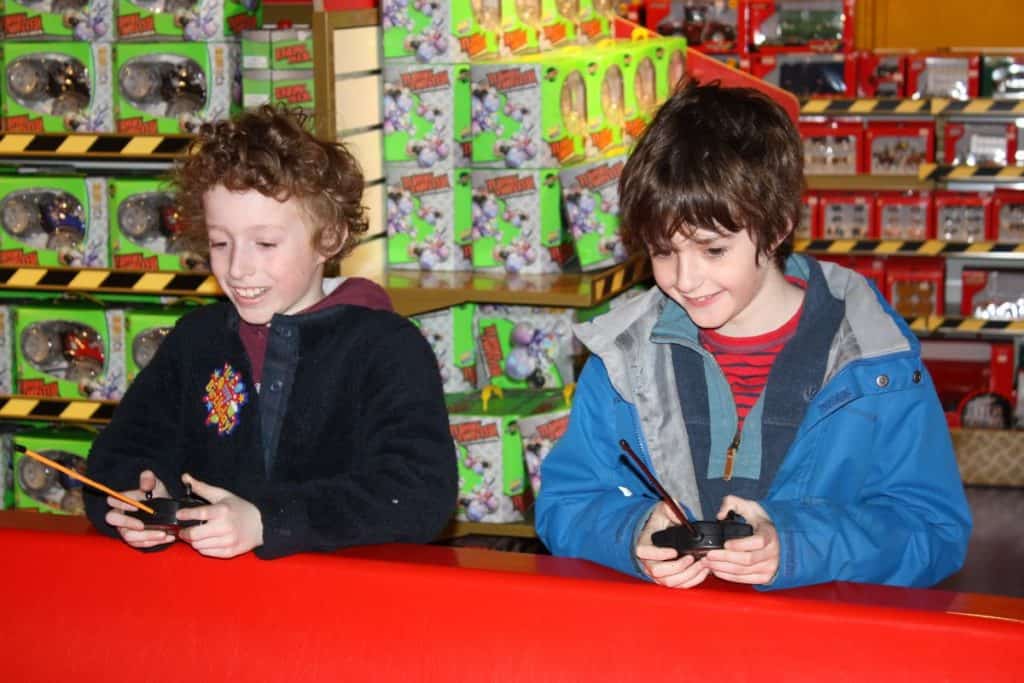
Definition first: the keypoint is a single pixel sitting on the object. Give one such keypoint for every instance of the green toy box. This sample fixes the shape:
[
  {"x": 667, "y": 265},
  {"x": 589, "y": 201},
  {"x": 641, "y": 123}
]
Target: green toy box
[
  {"x": 517, "y": 222},
  {"x": 69, "y": 350},
  {"x": 175, "y": 87},
  {"x": 57, "y": 87},
  {"x": 530, "y": 112},
  {"x": 189, "y": 20},
  {"x": 590, "y": 195},
  {"x": 450, "y": 334},
  {"x": 42, "y": 488},
  {"x": 543, "y": 422},
  {"x": 145, "y": 329},
  {"x": 597, "y": 18},
  {"x": 427, "y": 114},
  {"x": 606, "y": 100},
  {"x": 441, "y": 32},
  {"x": 640, "y": 92},
  {"x": 257, "y": 87},
  {"x": 92, "y": 20},
  {"x": 145, "y": 228},
  {"x": 278, "y": 49},
  {"x": 530, "y": 26},
  {"x": 7, "y": 349},
  {"x": 524, "y": 347},
  {"x": 423, "y": 210},
  {"x": 669, "y": 57},
  {"x": 296, "y": 89},
  {"x": 489, "y": 455},
  {"x": 53, "y": 221}
]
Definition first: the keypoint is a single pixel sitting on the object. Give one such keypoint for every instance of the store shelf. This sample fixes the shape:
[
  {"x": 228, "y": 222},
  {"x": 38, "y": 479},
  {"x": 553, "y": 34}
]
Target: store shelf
[
  {"x": 994, "y": 250},
  {"x": 56, "y": 409},
  {"x": 870, "y": 183},
  {"x": 107, "y": 281},
  {"x": 983, "y": 176},
  {"x": 97, "y": 152},
  {"x": 957, "y": 326},
  {"x": 458, "y": 529},
  {"x": 979, "y": 106},
  {"x": 867, "y": 107}
]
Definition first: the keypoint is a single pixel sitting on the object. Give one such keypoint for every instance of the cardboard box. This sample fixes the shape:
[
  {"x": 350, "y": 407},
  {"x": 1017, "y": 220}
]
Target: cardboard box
[
  {"x": 963, "y": 216},
  {"x": 201, "y": 21},
  {"x": 427, "y": 118},
  {"x": 898, "y": 148},
  {"x": 953, "y": 76},
  {"x": 847, "y": 215},
  {"x": 41, "y": 488},
  {"x": 798, "y": 25},
  {"x": 451, "y": 336},
  {"x": 145, "y": 229},
  {"x": 904, "y": 215},
  {"x": 445, "y": 33},
  {"x": 590, "y": 198},
  {"x": 93, "y": 21},
  {"x": 428, "y": 218},
  {"x": 832, "y": 147}
]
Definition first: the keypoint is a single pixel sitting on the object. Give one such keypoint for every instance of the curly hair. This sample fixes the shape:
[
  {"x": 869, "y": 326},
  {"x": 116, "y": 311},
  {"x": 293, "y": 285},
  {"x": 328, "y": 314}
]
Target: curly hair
[
  {"x": 270, "y": 150},
  {"x": 717, "y": 158}
]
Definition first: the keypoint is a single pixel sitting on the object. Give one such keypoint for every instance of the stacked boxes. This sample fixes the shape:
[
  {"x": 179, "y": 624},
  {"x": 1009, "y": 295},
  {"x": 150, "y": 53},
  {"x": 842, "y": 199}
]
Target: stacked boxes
[{"x": 277, "y": 67}]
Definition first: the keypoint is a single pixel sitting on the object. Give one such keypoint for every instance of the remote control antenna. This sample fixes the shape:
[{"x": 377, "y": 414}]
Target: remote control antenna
[
  {"x": 662, "y": 493},
  {"x": 82, "y": 478}
]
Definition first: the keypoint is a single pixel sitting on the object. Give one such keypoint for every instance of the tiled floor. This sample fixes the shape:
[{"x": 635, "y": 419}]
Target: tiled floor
[{"x": 995, "y": 556}]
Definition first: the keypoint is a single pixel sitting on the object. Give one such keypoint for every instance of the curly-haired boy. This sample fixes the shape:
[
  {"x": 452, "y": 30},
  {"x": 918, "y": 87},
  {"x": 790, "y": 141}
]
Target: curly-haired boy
[{"x": 308, "y": 414}]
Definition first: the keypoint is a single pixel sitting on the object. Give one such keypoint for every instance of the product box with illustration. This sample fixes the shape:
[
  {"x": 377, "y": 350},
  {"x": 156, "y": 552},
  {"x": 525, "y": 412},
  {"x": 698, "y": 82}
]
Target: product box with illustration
[
  {"x": 69, "y": 350},
  {"x": 639, "y": 64},
  {"x": 977, "y": 143},
  {"x": 710, "y": 25},
  {"x": 974, "y": 380},
  {"x": 590, "y": 200},
  {"x": 424, "y": 209},
  {"x": 6, "y": 349},
  {"x": 808, "y": 74},
  {"x": 898, "y": 148},
  {"x": 798, "y": 25},
  {"x": 881, "y": 74},
  {"x": 53, "y": 221},
  {"x": 45, "y": 489},
  {"x": 145, "y": 329},
  {"x": 294, "y": 89},
  {"x": 669, "y": 57},
  {"x": 832, "y": 147},
  {"x": 440, "y": 32},
  {"x": 530, "y": 112},
  {"x": 517, "y": 222},
  {"x": 85, "y": 20},
  {"x": 175, "y": 87},
  {"x": 992, "y": 293},
  {"x": 188, "y": 20},
  {"x": 905, "y": 215},
  {"x": 953, "y": 76},
  {"x": 916, "y": 286},
  {"x": 58, "y": 87},
  {"x": 847, "y": 215},
  {"x": 146, "y": 229},
  {"x": 278, "y": 49},
  {"x": 543, "y": 423},
  {"x": 537, "y": 26},
  {"x": 489, "y": 453},
  {"x": 524, "y": 347},
  {"x": 450, "y": 334},
  {"x": 427, "y": 115},
  {"x": 963, "y": 216}
]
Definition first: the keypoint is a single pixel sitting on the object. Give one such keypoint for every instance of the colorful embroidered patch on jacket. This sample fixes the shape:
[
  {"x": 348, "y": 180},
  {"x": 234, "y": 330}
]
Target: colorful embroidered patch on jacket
[{"x": 225, "y": 396}]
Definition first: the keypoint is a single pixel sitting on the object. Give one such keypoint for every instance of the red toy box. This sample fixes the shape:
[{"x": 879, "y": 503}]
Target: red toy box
[
  {"x": 881, "y": 74},
  {"x": 832, "y": 147},
  {"x": 798, "y": 25},
  {"x": 953, "y": 76},
  {"x": 898, "y": 147},
  {"x": 914, "y": 286},
  {"x": 847, "y": 215},
  {"x": 904, "y": 215},
  {"x": 962, "y": 216},
  {"x": 974, "y": 380},
  {"x": 980, "y": 144}
]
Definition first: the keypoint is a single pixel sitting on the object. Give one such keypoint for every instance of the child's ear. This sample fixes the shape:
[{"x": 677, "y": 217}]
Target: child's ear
[{"x": 332, "y": 239}]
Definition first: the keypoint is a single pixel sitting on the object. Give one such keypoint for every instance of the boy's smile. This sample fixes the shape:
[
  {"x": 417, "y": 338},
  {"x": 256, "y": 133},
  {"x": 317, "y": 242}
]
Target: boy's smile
[
  {"x": 722, "y": 286},
  {"x": 262, "y": 253}
]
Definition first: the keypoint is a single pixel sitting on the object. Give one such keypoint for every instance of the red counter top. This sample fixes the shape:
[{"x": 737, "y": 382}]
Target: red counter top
[{"x": 81, "y": 604}]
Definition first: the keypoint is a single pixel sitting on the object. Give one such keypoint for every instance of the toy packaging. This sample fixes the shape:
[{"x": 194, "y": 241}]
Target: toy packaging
[
  {"x": 810, "y": 218},
  {"x": 1002, "y": 76},
  {"x": 529, "y": 114},
  {"x": 427, "y": 115},
  {"x": 807, "y": 74},
  {"x": 53, "y": 221},
  {"x": 590, "y": 200},
  {"x": 904, "y": 215},
  {"x": 444, "y": 32},
  {"x": 847, "y": 215},
  {"x": 669, "y": 57},
  {"x": 41, "y": 488},
  {"x": 294, "y": 88},
  {"x": 962, "y": 216},
  {"x": 69, "y": 350},
  {"x": 146, "y": 230},
  {"x": 898, "y": 148},
  {"x": 7, "y": 432},
  {"x": 428, "y": 218},
  {"x": 175, "y": 87},
  {"x": 606, "y": 100},
  {"x": 974, "y": 380},
  {"x": 832, "y": 147},
  {"x": 450, "y": 334},
  {"x": 915, "y": 286},
  {"x": 88, "y": 20},
  {"x": 808, "y": 25},
  {"x": 953, "y": 76},
  {"x": 710, "y": 25},
  {"x": 979, "y": 143},
  {"x": 517, "y": 222},
  {"x": 57, "y": 87},
  {"x": 1008, "y": 215},
  {"x": 145, "y": 329},
  {"x": 489, "y": 453},
  {"x": 992, "y": 294},
  {"x": 6, "y": 350},
  {"x": 881, "y": 74},
  {"x": 639, "y": 73},
  {"x": 530, "y": 26},
  {"x": 595, "y": 19},
  {"x": 190, "y": 20},
  {"x": 542, "y": 424},
  {"x": 523, "y": 347}
]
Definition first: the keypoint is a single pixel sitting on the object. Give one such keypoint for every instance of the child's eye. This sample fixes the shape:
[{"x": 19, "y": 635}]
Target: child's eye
[
  {"x": 716, "y": 252},
  {"x": 266, "y": 245},
  {"x": 217, "y": 245}
]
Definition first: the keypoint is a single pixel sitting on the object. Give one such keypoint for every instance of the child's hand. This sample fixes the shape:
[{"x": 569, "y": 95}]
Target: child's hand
[
  {"x": 132, "y": 530},
  {"x": 664, "y": 565},
  {"x": 233, "y": 525},
  {"x": 754, "y": 559}
]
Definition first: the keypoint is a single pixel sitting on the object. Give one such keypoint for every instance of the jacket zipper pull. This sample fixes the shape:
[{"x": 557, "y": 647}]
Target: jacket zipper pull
[{"x": 730, "y": 456}]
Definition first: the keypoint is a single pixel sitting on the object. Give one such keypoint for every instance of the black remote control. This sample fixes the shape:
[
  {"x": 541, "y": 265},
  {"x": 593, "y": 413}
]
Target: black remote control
[
  {"x": 165, "y": 512},
  {"x": 705, "y": 536}
]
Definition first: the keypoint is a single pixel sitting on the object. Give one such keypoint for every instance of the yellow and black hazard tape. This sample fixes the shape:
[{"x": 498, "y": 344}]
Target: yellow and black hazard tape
[
  {"x": 56, "y": 409},
  {"x": 932, "y": 324},
  {"x": 981, "y": 174},
  {"x": 821, "y": 106},
  {"x": 620, "y": 278},
  {"x": 98, "y": 280},
  {"x": 906, "y": 248},
  {"x": 978, "y": 106},
  {"x": 93, "y": 145}
]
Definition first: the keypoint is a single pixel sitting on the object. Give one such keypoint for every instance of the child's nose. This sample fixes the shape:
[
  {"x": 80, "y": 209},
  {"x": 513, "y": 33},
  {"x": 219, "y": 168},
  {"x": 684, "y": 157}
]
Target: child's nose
[
  {"x": 239, "y": 265},
  {"x": 689, "y": 275}
]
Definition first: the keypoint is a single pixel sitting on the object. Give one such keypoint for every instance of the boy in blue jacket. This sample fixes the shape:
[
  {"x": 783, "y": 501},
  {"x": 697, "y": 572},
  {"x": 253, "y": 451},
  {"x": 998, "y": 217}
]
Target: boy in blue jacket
[{"x": 750, "y": 380}]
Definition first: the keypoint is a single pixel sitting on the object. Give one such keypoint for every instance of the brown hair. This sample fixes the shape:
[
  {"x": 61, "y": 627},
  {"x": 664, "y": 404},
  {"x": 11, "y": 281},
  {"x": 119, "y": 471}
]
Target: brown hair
[
  {"x": 714, "y": 158},
  {"x": 271, "y": 151}
]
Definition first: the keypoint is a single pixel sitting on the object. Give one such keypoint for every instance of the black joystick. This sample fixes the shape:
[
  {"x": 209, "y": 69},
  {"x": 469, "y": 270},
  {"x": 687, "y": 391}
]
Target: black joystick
[
  {"x": 690, "y": 538},
  {"x": 165, "y": 511}
]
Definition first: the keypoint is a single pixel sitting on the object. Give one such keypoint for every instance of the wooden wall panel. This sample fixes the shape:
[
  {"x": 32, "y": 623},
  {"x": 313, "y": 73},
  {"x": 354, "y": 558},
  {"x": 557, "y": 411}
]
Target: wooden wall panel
[{"x": 935, "y": 24}]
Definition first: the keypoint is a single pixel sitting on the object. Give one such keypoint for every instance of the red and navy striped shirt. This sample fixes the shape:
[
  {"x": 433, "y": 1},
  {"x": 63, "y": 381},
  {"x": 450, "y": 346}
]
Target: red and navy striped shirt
[{"x": 746, "y": 361}]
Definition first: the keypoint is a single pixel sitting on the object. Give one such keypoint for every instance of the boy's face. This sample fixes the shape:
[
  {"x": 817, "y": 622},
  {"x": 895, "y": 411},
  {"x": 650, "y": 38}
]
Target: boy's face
[
  {"x": 718, "y": 281},
  {"x": 261, "y": 252}
]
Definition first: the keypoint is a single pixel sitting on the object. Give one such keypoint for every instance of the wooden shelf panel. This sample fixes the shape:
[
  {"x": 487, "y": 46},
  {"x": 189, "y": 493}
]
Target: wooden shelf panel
[
  {"x": 457, "y": 529},
  {"x": 101, "y": 280},
  {"x": 868, "y": 183}
]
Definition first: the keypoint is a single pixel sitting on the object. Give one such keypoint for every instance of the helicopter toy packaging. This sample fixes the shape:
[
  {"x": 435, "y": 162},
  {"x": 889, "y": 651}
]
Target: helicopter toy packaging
[
  {"x": 146, "y": 228},
  {"x": 424, "y": 211},
  {"x": 53, "y": 221},
  {"x": 175, "y": 87},
  {"x": 427, "y": 115},
  {"x": 41, "y": 488},
  {"x": 85, "y": 20},
  {"x": 189, "y": 20},
  {"x": 69, "y": 350},
  {"x": 57, "y": 87},
  {"x": 6, "y": 351},
  {"x": 145, "y": 330}
]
